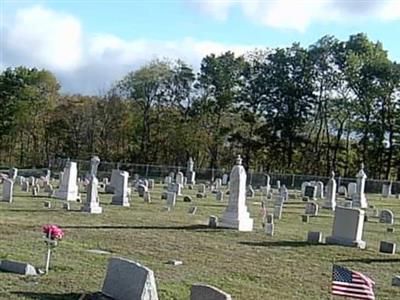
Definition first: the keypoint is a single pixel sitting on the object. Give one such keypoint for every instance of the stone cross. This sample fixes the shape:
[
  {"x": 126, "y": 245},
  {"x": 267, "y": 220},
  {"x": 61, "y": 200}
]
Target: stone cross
[{"x": 359, "y": 199}]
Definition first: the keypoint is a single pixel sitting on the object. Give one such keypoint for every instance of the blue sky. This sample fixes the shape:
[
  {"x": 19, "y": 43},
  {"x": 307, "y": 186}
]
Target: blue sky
[{"x": 90, "y": 44}]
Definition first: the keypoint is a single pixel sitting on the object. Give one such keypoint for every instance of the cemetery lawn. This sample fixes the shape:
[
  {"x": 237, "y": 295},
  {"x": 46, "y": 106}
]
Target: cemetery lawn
[{"x": 248, "y": 265}]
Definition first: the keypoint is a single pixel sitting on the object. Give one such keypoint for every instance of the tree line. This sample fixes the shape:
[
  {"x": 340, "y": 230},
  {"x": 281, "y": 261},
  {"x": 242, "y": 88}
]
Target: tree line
[{"x": 309, "y": 110}]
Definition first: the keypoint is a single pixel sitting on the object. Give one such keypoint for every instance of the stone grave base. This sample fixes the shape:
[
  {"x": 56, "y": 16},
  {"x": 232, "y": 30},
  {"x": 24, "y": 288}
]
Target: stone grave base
[
  {"x": 345, "y": 242},
  {"x": 244, "y": 224}
]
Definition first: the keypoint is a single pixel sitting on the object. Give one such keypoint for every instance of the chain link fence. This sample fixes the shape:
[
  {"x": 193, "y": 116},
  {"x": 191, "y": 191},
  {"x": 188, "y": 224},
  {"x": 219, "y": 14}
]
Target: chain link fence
[{"x": 158, "y": 172}]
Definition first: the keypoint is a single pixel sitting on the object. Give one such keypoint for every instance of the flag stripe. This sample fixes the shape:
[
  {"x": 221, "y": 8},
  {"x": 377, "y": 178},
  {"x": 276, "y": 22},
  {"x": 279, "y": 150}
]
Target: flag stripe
[{"x": 338, "y": 293}]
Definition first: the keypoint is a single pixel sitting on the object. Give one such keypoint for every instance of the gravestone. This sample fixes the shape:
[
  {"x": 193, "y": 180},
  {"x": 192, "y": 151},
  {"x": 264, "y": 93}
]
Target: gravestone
[
  {"x": 151, "y": 184},
  {"x": 236, "y": 214},
  {"x": 192, "y": 210},
  {"x": 284, "y": 193},
  {"x": 8, "y": 185},
  {"x": 347, "y": 230},
  {"x": 167, "y": 180},
  {"x": 358, "y": 198},
  {"x": 386, "y": 216},
  {"x": 25, "y": 186},
  {"x": 171, "y": 199},
  {"x": 269, "y": 225},
  {"x": 187, "y": 199},
  {"x": 250, "y": 192},
  {"x": 303, "y": 188},
  {"x": 330, "y": 197},
  {"x": 66, "y": 206},
  {"x": 320, "y": 190},
  {"x": 47, "y": 204},
  {"x": 387, "y": 190},
  {"x": 111, "y": 186},
  {"x": 311, "y": 209},
  {"x": 147, "y": 197},
  {"x": 190, "y": 173},
  {"x": 342, "y": 191},
  {"x": 225, "y": 178},
  {"x": 13, "y": 173},
  {"x": 219, "y": 196},
  {"x": 278, "y": 184},
  {"x": 351, "y": 189},
  {"x": 142, "y": 189},
  {"x": 120, "y": 196},
  {"x": 310, "y": 192},
  {"x": 213, "y": 222},
  {"x": 305, "y": 218},
  {"x": 179, "y": 178},
  {"x": 278, "y": 211},
  {"x": 218, "y": 183},
  {"x": 92, "y": 203},
  {"x": 387, "y": 247},
  {"x": 68, "y": 189},
  {"x": 178, "y": 189},
  {"x": 207, "y": 292},
  {"x": 201, "y": 188},
  {"x": 314, "y": 237},
  {"x": 17, "y": 267},
  {"x": 129, "y": 280}
]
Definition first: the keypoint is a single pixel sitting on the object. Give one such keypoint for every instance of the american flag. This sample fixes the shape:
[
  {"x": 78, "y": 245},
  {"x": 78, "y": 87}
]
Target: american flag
[{"x": 351, "y": 284}]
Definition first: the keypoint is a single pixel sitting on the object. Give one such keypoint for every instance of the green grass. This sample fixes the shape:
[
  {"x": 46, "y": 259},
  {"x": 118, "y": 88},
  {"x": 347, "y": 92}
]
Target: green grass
[{"x": 248, "y": 265}]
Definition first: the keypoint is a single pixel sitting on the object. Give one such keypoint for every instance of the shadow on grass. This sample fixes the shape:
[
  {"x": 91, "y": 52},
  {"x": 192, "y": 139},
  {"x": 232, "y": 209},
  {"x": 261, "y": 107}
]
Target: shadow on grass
[
  {"x": 198, "y": 227},
  {"x": 280, "y": 244},
  {"x": 371, "y": 260},
  {"x": 48, "y": 296},
  {"x": 35, "y": 197},
  {"x": 43, "y": 210}
]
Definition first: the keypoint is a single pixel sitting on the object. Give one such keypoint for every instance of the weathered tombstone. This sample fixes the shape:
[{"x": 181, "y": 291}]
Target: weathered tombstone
[
  {"x": 284, "y": 193},
  {"x": 390, "y": 229},
  {"x": 179, "y": 178},
  {"x": 142, "y": 189},
  {"x": 269, "y": 225},
  {"x": 218, "y": 183},
  {"x": 13, "y": 173},
  {"x": 178, "y": 189},
  {"x": 314, "y": 237},
  {"x": 34, "y": 191},
  {"x": 387, "y": 190},
  {"x": 278, "y": 211},
  {"x": 396, "y": 281},
  {"x": 68, "y": 187},
  {"x": 250, "y": 192},
  {"x": 167, "y": 180},
  {"x": 111, "y": 186},
  {"x": 66, "y": 206},
  {"x": 311, "y": 209},
  {"x": 330, "y": 197},
  {"x": 351, "y": 189},
  {"x": 201, "y": 188},
  {"x": 387, "y": 247},
  {"x": 359, "y": 199},
  {"x": 47, "y": 204},
  {"x": 92, "y": 203},
  {"x": 151, "y": 184},
  {"x": 303, "y": 188},
  {"x": 120, "y": 196},
  {"x": 128, "y": 280},
  {"x": 171, "y": 199},
  {"x": 305, "y": 218},
  {"x": 219, "y": 196},
  {"x": 320, "y": 190},
  {"x": 386, "y": 216},
  {"x": 278, "y": 184},
  {"x": 25, "y": 186},
  {"x": 236, "y": 215},
  {"x": 207, "y": 292},
  {"x": 190, "y": 174},
  {"x": 225, "y": 178},
  {"x": 187, "y": 199},
  {"x": 213, "y": 222},
  {"x": 172, "y": 175},
  {"x": 147, "y": 197},
  {"x": 7, "y": 195},
  {"x": 310, "y": 192},
  {"x": 192, "y": 210},
  {"x": 17, "y": 267},
  {"x": 348, "y": 227},
  {"x": 342, "y": 191}
]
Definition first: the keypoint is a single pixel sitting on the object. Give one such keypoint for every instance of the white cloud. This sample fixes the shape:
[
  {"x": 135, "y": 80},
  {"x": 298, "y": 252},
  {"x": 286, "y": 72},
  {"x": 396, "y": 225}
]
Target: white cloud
[
  {"x": 299, "y": 14},
  {"x": 44, "y": 38}
]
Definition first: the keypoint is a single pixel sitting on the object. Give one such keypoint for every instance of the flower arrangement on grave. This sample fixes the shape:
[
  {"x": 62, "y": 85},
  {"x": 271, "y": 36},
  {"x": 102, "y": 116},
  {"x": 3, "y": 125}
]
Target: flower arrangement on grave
[{"x": 53, "y": 234}]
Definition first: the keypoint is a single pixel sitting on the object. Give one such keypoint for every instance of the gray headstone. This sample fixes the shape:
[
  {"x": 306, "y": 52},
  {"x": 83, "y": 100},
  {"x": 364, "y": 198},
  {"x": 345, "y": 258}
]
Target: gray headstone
[
  {"x": 314, "y": 237},
  {"x": 128, "y": 280},
  {"x": 17, "y": 267},
  {"x": 207, "y": 292},
  {"x": 387, "y": 247},
  {"x": 386, "y": 216},
  {"x": 396, "y": 281},
  {"x": 213, "y": 222}
]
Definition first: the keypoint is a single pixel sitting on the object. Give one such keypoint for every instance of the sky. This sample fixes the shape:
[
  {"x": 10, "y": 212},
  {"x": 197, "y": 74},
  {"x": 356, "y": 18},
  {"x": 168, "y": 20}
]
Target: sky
[{"x": 89, "y": 44}]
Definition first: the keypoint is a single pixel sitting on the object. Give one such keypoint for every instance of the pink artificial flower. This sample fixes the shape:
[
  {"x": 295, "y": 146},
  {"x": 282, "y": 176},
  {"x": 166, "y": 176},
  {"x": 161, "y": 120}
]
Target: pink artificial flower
[{"x": 53, "y": 231}]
